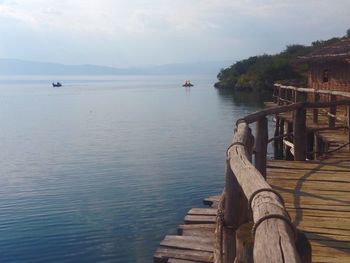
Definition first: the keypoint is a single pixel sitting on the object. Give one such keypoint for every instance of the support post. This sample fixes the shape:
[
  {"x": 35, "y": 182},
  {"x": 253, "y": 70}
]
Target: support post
[
  {"x": 245, "y": 244},
  {"x": 280, "y": 140},
  {"x": 332, "y": 111},
  {"x": 261, "y": 140},
  {"x": 289, "y": 129},
  {"x": 296, "y": 96},
  {"x": 275, "y": 100},
  {"x": 280, "y": 96},
  {"x": 315, "y": 111},
  {"x": 348, "y": 123},
  {"x": 299, "y": 128},
  {"x": 231, "y": 214},
  {"x": 275, "y": 141},
  {"x": 317, "y": 146},
  {"x": 303, "y": 247}
]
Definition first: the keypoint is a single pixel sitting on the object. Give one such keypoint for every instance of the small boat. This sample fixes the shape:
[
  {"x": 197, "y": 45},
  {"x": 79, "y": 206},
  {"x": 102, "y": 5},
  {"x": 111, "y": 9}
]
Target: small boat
[
  {"x": 58, "y": 84},
  {"x": 187, "y": 84}
]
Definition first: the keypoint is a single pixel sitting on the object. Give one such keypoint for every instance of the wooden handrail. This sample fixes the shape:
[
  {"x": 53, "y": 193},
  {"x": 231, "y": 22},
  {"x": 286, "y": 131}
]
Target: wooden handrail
[
  {"x": 308, "y": 90},
  {"x": 274, "y": 235},
  {"x": 254, "y": 117}
]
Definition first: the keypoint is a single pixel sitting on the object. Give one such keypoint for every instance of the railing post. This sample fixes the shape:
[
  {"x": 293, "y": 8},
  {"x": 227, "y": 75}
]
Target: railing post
[
  {"x": 289, "y": 130},
  {"x": 315, "y": 110},
  {"x": 261, "y": 140},
  {"x": 275, "y": 93},
  {"x": 275, "y": 141},
  {"x": 280, "y": 140},
  {"x": 231, "y": 214},
  {"x": 299, "y": 128},
  {"x": 296, "y": 95},
  {"x": 245, "y": 244},
  {"x": 279, "y": 95},
  {"x": 348, "y": 122},
  {"x": 303, "y": 247},
  {"x": 332, "y": 111}
]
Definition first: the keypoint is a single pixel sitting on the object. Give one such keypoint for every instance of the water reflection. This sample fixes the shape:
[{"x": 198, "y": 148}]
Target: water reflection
[{"x": 248, "y": 99}]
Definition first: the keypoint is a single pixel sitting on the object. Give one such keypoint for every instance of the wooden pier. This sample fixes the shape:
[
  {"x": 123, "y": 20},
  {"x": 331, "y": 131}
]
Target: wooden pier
[{"x": 295, "y": 209}]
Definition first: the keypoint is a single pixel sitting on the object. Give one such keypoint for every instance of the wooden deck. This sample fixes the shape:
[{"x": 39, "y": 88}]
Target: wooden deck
[
  {"x": 195, "y": 239},
  {"x": 316, "y": 195}
]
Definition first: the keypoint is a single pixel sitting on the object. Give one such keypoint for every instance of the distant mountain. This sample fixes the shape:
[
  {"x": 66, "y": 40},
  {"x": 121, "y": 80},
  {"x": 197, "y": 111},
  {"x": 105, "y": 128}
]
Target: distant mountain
[{"x": 23, "y": 67}]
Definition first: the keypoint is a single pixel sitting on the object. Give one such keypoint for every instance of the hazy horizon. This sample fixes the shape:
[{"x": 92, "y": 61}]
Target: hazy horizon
[{"x": 142, "y": 33}]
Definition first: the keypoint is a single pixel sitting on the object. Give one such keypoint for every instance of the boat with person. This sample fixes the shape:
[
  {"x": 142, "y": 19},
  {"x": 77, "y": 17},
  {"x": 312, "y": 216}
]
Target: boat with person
[
  {"x": 58, "y": 84},
  {"x": 187, "y": 84}
]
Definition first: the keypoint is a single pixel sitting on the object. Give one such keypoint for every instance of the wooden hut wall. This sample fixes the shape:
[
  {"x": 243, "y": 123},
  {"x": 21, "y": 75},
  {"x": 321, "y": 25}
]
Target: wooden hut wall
[{"x": 338, "y": 74}]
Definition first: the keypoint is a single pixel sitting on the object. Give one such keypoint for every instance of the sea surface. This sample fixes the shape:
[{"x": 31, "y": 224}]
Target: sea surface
[{"x": 102, "y": 168}]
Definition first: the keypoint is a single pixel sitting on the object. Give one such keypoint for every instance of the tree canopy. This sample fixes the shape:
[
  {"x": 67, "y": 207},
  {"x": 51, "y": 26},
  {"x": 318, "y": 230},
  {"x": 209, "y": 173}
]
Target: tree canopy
[{"x": 258, "y": 73}]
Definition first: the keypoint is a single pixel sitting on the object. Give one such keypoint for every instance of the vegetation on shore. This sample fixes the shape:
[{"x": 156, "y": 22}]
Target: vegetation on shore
[{"x": 258, "y": 73}]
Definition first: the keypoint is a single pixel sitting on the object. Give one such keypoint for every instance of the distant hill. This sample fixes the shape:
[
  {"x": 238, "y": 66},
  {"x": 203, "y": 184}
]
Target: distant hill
[
  {"x": 258, "y": 73},
  {"x": 23, "y": 67}
]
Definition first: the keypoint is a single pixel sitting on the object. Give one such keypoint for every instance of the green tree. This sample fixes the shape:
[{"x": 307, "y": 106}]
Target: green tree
[{"x": 348, "y": 33}]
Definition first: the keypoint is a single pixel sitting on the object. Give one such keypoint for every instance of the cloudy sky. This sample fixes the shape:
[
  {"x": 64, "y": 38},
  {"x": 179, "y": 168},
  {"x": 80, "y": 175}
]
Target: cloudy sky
[{"x": 148, "y": 32}]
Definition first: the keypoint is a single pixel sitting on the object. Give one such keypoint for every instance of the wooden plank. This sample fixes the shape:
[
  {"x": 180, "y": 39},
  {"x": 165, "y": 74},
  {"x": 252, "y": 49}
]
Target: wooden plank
[
  {"x": 198, "y": 233},
  {"x": 211, "y": 199},
  {"x": 202, "y": 211},
  {"x": 175, "y": 260},
  {"x": 198, "y": 226},
  {"x": 273, "y": 237},
  {"x": 164, "y": 253},
  {"x": 200, "y": 219},
  {"x": 320, "y": 213},
  {"x": 188, "y": 242}
]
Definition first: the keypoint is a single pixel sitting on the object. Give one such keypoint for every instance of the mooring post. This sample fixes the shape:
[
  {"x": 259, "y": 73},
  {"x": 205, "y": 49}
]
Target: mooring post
[
  {"x": 261, "y": 140},
  {"x": 299, "y": 128},
  {"x": 315, "y": 110},
  {"x": 332, "y": 111}
]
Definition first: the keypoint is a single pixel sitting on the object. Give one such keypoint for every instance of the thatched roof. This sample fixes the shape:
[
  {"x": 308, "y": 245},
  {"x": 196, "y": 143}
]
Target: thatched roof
[{"x": 338, "y": 51}]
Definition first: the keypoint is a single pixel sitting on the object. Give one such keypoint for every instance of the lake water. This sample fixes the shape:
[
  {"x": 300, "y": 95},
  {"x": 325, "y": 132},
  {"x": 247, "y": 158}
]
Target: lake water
[{"x": 102, "y": 168}]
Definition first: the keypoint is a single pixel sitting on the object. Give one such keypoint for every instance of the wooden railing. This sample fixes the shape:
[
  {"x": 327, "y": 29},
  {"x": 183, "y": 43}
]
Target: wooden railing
[
  {"x": 247, "y": 197},
  {"x": 289, "y": 94}
]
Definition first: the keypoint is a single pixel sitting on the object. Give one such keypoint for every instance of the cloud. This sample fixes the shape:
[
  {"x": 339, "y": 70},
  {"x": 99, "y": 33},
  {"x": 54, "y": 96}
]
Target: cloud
[{"x": 164, "y": 30}]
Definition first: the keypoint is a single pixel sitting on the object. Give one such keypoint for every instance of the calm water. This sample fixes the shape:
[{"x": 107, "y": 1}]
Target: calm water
[{"x": 102, "y": 168}]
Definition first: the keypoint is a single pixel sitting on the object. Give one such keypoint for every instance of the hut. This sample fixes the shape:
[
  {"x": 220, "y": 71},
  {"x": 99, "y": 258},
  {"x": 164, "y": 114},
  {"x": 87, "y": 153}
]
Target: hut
[{"x": 329, "y": 66}]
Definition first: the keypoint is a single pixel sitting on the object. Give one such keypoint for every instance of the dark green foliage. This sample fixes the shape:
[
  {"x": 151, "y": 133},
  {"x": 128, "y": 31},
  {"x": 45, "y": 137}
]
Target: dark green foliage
[
  {"x": 348, "y": 33},
  {"x": 258, "y": 73}
]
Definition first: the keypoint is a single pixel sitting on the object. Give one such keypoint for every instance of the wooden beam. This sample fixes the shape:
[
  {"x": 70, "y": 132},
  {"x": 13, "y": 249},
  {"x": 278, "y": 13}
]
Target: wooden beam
[
  {"x": 299, "y": 128},
  {"x": 231, "y": 214},
  {"x": 332, "y": 112},
  {"x": 348, "y": 122},
  {"x": 274, "y": 238},
  {"x": 261, "y": 139},
  {"x": 315, "y": 110}
]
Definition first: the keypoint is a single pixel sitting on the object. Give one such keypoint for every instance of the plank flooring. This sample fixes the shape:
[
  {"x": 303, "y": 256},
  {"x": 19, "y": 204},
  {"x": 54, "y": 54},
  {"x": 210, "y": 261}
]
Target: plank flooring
[
  {"x": 317, "y": 197},
  {"x": 194, "y": 241}
]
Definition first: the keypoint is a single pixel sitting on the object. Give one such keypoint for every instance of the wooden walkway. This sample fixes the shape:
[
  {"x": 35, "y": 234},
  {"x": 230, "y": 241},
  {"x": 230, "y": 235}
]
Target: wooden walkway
[
  {"x": 195, "y": 239},
  {"x": 316, "y": 195}
]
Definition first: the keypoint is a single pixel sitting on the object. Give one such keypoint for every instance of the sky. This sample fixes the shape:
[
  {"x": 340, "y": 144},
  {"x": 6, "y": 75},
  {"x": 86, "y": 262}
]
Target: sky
[{"x": 124, "y": 33}]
